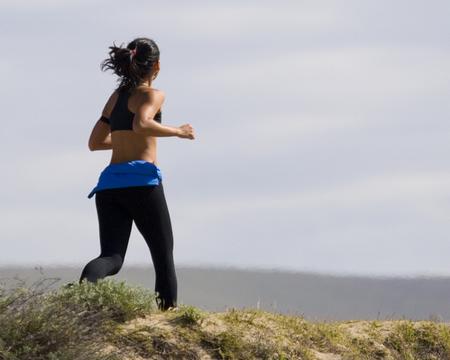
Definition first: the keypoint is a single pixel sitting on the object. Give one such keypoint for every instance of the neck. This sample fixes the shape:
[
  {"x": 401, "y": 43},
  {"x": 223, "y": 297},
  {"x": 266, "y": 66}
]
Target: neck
[{"x": 145, "y": 83}]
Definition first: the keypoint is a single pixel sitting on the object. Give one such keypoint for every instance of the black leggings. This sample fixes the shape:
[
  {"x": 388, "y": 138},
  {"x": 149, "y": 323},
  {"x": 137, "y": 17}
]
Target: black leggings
[{"x": 116, "y": 210}]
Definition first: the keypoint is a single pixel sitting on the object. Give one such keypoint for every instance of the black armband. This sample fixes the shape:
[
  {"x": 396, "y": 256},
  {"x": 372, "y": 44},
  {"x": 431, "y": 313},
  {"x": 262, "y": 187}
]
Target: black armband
[{"x": 104, "y": 119}]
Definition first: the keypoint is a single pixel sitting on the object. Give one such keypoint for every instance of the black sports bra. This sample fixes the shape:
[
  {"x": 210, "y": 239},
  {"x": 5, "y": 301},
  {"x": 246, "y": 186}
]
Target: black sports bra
[{"x": 121, "y": 117}]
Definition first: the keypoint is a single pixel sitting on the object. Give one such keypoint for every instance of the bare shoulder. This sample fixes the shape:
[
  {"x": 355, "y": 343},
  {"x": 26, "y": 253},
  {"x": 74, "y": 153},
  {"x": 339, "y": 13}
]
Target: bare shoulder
[
  {"x": 151, "y": 92},
  {"x": 151, "y": 96}
]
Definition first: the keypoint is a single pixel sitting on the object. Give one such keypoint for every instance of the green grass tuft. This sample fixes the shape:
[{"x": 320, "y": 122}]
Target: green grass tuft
[
  {"x": 190, "y": 315},
  {"x": 114, "y": 299}
]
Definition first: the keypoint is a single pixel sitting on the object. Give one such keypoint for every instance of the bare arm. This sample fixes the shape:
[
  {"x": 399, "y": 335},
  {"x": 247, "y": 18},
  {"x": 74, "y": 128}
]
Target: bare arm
[
  {"x": 143, "y": 122},
  {"x": 100, "y": 138}
]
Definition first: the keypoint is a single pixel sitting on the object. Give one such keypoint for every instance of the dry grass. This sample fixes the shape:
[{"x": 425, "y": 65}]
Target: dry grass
[{"x": 111, "y": 320}]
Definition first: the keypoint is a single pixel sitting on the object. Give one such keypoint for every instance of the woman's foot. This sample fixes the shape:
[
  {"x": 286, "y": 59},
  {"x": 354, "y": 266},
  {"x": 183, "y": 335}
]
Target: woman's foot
[{"x": 164, "y": 306}]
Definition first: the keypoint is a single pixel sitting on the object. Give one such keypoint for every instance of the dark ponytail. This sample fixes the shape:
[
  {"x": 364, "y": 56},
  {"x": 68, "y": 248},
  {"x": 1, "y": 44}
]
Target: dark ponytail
[{"x": 133, "y": 63}]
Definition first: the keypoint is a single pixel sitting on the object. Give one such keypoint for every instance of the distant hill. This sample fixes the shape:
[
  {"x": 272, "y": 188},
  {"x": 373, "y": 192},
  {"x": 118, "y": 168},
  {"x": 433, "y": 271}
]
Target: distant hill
[
  {"x": 317, "y": 297},
  {"x": 113, "y": 320}
]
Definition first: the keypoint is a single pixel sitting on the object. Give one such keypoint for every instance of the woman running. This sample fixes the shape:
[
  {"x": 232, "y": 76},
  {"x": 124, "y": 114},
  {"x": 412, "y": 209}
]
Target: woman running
[{"x": 130, "y": 188}]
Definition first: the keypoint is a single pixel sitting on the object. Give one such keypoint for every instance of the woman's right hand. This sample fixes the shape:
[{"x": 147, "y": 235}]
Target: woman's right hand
[{"x": 186, "y": 131}]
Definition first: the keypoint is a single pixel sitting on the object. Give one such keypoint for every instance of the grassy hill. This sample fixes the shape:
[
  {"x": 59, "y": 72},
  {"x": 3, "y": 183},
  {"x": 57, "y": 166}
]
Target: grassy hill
[{"x": 112, "y": 320}]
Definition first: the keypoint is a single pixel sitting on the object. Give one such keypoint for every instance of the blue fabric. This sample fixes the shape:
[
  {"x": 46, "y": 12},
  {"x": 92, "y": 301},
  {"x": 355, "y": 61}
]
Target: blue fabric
[{"x": 126, "y": 174}]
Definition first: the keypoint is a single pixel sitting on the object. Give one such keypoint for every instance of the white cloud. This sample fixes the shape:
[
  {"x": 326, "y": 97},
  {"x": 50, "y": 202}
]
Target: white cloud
[
  {"x": 39, "y": 5},
  {"x": 428, "y": 194},
  {"x": 222, "y": 20},
  {"x": 357, "y": 76}
]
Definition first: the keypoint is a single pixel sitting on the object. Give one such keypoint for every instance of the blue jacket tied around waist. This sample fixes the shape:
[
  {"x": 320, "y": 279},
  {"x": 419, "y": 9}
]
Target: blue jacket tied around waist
[{"x": 126, "y": 174}]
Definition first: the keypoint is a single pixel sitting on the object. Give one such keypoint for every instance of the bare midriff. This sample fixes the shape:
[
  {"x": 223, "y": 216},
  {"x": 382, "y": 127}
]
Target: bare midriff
[{"x": 129, "y": 145}]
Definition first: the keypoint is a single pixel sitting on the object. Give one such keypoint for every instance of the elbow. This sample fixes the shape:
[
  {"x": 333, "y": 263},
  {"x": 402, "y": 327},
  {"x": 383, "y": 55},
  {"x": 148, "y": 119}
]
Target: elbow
[
  {"x": 142, "y": 128},
  {"x": 91, "y": 146},
  {"x": 137, "y": 128},
  {"x": 90, "y": 143}
]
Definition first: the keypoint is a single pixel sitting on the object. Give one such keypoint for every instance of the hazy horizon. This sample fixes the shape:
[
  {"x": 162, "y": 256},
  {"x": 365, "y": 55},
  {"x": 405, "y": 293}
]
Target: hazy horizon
[{"x": 314, "y": 296}]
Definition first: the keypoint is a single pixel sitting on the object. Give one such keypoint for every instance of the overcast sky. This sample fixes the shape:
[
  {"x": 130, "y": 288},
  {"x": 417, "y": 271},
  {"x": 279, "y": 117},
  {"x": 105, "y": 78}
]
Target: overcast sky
[{"x": 322, "y": 131}]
